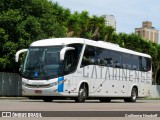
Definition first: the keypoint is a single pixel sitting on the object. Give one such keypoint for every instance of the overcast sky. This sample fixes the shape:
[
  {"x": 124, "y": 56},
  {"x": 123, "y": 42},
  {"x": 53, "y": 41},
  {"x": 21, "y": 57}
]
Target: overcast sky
[{"x": 129, "y": 14}]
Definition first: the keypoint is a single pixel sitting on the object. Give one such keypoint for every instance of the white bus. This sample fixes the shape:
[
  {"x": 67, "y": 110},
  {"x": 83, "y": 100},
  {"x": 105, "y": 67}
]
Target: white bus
[{"x": 81, "y": 69}]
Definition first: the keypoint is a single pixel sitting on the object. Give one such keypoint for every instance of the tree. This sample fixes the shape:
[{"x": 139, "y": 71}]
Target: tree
[{"x": 24, "y": 21}]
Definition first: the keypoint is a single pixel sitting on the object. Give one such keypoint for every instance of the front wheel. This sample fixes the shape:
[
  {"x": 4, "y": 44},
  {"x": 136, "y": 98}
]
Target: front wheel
[
  {"x": 134, "y": 96},
  {"x": 82, "y": 94}
]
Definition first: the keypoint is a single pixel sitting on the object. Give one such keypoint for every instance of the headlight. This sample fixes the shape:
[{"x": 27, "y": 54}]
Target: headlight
[
  {"x": 53, "y": 84},
  {"x": 24, "y": 84}
]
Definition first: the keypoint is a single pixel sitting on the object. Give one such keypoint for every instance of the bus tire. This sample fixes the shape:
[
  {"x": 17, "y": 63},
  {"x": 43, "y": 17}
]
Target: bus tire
[
  {"x": 82, "y": 94},
  {"x": 105, "y": 99},
  {"x": 134, "y": 95},
  {"x": 47, "y": 99}
]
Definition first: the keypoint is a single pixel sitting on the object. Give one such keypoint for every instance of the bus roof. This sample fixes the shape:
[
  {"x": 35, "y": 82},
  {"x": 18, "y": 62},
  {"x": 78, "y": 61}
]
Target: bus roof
[
  {"x": 57, "y": 41},
  {"x": 102, "y": 44}
]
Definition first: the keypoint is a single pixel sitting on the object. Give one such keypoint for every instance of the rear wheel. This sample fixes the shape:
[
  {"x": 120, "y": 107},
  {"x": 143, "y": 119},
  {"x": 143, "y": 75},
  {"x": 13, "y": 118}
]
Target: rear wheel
[
  {"x": 134, "y": 96},
  {"x": 47, "y": 99},
  {"x": 82, "y": 94}
]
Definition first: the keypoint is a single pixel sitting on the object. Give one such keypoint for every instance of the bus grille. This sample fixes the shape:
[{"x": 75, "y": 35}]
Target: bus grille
[{"x": 38, "y": 86}]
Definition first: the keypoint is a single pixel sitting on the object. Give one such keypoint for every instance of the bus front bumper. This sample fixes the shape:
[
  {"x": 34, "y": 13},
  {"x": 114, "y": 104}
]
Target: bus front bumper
[{"x": 51, "y": 91}]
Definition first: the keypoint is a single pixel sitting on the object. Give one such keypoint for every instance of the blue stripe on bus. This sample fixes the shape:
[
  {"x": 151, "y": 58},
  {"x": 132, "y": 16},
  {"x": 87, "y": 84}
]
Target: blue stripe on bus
[{"x": 60, "y": 84}]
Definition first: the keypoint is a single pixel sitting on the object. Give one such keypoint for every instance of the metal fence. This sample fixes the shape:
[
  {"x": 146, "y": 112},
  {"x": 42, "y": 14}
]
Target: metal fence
[
  {"x": 10, "y": 84},
  {"x": 155, "y": 91}
]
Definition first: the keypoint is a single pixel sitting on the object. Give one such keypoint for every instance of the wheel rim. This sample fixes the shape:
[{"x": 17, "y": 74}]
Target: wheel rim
[
  {"x": 134, "y": 95},
  {"x": 82, "y": 95}
]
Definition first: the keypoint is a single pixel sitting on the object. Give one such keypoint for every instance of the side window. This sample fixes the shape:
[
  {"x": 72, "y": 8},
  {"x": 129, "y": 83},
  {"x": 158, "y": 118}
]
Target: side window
[
  {"x": 104, "y": 57},
  {"x": 77, "y": 51},
  {"x": 135, "y": 62},
  {"x": 143, "y": 64},
  {"x": 126, "y": 61},
  {"x": 115, "y": 59},
  {"x": 88, "y": 56},
  {"x": 149, "y": 64},
  {"x": 69, "y": 62}
]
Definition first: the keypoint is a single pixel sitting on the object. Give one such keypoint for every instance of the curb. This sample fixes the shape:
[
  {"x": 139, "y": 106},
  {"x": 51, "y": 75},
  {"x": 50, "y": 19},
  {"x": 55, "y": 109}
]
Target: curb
[{"x": 13, "y": 98}]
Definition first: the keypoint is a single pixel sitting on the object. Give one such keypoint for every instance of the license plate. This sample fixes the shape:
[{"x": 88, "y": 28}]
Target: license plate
[{"x": 38, "y": 91}]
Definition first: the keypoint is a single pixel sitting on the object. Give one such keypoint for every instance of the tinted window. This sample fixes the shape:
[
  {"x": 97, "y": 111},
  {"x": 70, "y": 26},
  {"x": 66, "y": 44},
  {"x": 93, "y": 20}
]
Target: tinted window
[
  {"x": 144, "y": 64},
  {"x": 71, "y": 58},
  {"x": 135, "y": 62},
  {"x": 69, "y": 62},
  {"x": 76, "y": 52},
  {"x": 126, "y": 61},
  {"x": 89, "y": 56},
  {"x": 115, "y": 59},
  {"x": 149, "y": 64},
  {"x": 104, "y": 57}
]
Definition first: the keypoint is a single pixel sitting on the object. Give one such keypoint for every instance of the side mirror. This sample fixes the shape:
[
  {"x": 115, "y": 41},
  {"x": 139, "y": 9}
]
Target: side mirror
[
  {"x": 63, "y": 51},
  {"x": 18, "y": 53}
]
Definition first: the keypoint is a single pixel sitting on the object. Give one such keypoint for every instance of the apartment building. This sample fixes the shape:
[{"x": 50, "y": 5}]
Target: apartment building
[
  {"x": 148, "y": 32},
  {"x": 110, "y": 20}
]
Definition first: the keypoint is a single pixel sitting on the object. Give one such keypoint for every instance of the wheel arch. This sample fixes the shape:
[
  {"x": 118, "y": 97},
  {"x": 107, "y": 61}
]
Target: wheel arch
[
  {"x": 134, "y": 86},
  {"x": 84, "y": 82}
]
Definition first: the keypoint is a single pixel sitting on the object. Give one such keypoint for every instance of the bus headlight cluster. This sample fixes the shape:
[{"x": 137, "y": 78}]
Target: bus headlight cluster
[
  {"x": 24, "y": 84},
  {"x": 54, "y": 84}
]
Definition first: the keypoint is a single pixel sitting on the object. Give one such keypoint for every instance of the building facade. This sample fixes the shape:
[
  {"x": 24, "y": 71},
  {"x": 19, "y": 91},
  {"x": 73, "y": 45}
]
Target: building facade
[
  {"x": 148, "y": 32},
  {"x": 110, "y": 20}
]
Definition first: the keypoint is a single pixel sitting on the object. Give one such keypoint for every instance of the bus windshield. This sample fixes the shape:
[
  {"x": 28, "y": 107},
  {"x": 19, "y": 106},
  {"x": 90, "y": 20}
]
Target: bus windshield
[{"x": 42, "y": 63}]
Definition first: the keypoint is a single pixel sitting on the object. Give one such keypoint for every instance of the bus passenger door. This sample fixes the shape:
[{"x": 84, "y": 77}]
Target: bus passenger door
[{"x": 69, "y": 67}]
